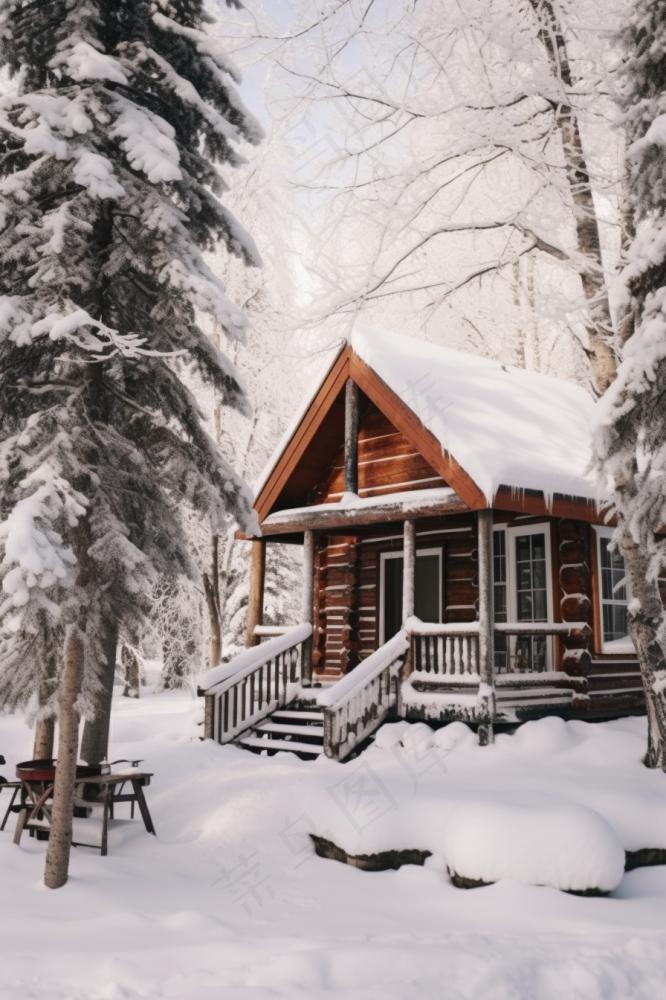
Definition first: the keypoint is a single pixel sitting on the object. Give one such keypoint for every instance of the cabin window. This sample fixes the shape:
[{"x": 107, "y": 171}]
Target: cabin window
[
  {"x": 427, "y": 590},
  {"x": 612, "y": 596},
  {"x": 521, "y": 567}
]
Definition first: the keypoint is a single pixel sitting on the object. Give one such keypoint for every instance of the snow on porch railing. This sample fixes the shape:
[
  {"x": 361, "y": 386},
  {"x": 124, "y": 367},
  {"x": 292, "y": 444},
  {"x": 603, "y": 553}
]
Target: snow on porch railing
[
  {"x": 356, "y": 705},
  {"x": 255, "y": 683}
]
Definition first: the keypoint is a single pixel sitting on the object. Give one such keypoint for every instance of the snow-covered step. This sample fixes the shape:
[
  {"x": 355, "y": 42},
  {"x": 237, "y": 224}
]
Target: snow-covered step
[
  {"x": 297, "y": 713},
  {"x": 258, "y": 743},
  {"x": 269, "y": 726}
]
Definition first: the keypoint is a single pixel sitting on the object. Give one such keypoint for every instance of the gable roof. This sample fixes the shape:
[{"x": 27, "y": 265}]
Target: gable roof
[
  {"x": 505, "y": 426},
  {"x": 491, "y": 431}
]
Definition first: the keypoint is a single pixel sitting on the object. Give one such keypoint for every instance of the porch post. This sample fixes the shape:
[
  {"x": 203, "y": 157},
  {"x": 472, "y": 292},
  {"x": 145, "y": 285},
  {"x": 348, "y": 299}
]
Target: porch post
[
  {"x": 409, "y": 565},
  {"x": 255, "y": 603},
  {"x": 351, "y": 436},
  {"x": 486, "y": 628},
  {"x": 307, "y": 601}
]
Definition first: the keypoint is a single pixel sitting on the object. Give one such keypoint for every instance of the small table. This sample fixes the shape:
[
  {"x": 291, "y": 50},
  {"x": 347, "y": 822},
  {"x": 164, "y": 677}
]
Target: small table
[{"x": 106, "y": 790}]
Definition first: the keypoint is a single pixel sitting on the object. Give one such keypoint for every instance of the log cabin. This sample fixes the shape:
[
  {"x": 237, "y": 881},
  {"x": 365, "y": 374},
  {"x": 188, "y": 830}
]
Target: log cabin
[{"x": 456, "y": 562}]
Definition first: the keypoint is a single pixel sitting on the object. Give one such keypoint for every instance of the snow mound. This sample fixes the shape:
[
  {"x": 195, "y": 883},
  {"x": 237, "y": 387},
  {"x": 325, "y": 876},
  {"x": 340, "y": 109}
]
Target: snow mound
[
  {"x": 567, "y": 847},
  {"x": 549, "y": 735},
  {"x": 455, "y": 735},
  {"x": 419, "y": 737},
  {"x": 390, "y": 735}
]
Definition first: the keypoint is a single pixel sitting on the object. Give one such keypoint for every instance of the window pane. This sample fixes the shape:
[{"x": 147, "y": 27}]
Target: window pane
[
  {"x": 540, "y": 574},
  {"x": 540, "y": 606},
  {"x": 500, "y": 602},
  {"x": 538, "y": 546},
  {"x": 523, "y": 548},
  {"x": 525, "y": 607}
]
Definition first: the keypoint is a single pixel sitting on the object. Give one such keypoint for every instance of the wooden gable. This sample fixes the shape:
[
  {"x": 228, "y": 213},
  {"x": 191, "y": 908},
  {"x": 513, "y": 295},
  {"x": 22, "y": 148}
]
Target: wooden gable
[
  {"x": 308, "y": 471},
  {"x": 388, "y": 462},
  {"x": 305, "y": 472}
]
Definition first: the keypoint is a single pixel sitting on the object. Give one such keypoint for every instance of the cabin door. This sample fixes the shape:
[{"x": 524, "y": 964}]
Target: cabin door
[{"x": 427, "y": 590}]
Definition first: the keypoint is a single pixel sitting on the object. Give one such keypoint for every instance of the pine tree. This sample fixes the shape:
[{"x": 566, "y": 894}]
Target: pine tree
[
  {"x": 111, "y": 141},
  {"x": 630, "y": 445}
]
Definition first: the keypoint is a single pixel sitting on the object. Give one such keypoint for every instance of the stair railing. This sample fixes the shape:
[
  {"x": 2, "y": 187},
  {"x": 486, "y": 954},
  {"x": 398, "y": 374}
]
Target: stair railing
[
  {"x": 254, "y": 684},
  {"x": 355, "y": 706}
]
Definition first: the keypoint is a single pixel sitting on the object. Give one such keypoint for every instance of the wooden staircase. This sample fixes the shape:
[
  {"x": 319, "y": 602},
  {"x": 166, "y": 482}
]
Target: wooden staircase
[{"x": 298, "y": 728}]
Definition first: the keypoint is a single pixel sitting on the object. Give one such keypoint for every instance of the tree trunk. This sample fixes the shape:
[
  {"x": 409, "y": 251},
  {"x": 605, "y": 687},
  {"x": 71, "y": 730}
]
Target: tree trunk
[
  {"x": 95, "y": 739},
  {"x": 645, "y": 618},
  {"x": 599, "y": 324},
  {"x": 131, "y": 670},
  {"x": 516, "y": 290},
  {"x": 42, "y": 748},
  {"x": 45, "y": 727},
  {"x": 60, "y": 835},
  {"x": 211, "y": 585}
]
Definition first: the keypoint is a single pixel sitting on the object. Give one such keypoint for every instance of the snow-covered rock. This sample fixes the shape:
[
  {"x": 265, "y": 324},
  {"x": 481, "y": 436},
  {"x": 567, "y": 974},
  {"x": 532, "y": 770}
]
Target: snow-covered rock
[{"x": 564, "y": 846}]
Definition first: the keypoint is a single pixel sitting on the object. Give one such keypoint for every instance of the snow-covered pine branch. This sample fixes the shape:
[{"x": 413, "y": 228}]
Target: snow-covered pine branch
[{"x": 112, "y": 136}]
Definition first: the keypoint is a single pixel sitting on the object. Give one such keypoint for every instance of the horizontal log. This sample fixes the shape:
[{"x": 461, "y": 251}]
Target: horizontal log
[{"x": 318, "y": 518}]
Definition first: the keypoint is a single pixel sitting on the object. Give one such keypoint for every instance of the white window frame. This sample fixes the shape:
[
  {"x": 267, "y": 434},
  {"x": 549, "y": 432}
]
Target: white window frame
[
  {"x": 601, "y": 531},
  {"x": 383, "y": 557},
  {"x": 511, "y": 532}
]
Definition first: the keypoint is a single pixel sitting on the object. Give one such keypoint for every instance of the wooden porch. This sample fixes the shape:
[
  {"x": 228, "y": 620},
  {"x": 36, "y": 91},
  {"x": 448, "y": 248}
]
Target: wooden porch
[{"x": 275, "y": 696}]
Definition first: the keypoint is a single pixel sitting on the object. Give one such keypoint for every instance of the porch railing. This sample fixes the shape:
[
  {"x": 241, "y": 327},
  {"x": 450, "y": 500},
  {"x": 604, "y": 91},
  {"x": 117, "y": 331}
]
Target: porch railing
[
  {"x": 452, "y": 649},
  {"x": 355, "y": 706},
  {"x": 254, "y": 684}
]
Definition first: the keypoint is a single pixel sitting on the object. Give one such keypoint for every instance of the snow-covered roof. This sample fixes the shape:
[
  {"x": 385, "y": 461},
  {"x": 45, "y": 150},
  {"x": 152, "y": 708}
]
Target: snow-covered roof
[{"x": 503, "y": 425}]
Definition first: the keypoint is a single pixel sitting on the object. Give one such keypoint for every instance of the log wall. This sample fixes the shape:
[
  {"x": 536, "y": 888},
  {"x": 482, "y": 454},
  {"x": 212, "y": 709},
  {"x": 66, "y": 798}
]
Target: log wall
[{"x": 347, "y": 586}]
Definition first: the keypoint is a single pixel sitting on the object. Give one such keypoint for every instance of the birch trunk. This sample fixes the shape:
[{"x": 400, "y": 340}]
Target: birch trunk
[
  {"x": 60, "y": 836},
  {"x": 599, "y": 324},
  {"x": 645, "y": 619}
]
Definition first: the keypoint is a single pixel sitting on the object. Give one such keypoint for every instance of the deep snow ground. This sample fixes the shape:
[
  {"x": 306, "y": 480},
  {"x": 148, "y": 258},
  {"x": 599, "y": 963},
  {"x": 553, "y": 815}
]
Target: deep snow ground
[{"x": 229, "y": 901}]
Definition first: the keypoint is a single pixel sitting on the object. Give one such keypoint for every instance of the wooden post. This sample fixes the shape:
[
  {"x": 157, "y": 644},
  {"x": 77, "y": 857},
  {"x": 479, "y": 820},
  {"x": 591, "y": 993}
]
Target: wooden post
[
  {"x": 255, "y": 604},
  {"x": 307, "y": 601},
  {"x": 408, "y": 589},
  {"x": 351, "y": 437},
  {"x": 486, "y": 628},
  {"x": 409, "y": 569}
]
